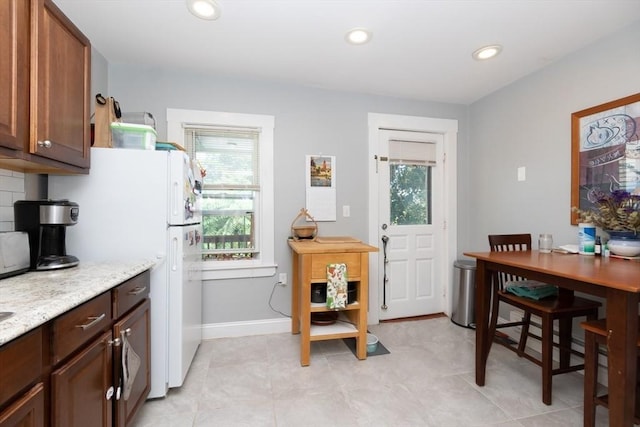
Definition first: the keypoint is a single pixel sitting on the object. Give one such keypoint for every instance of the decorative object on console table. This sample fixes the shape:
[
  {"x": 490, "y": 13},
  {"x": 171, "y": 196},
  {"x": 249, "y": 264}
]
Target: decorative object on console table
[{"x": 308, "y": 232}]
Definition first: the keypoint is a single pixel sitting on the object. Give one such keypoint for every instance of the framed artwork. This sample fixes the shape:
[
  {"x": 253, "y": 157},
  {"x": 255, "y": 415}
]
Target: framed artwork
[
  {"x": 321, "y": 187},
  {"x": 605, "y": 150},
  {"x": 320, "y": 171}
]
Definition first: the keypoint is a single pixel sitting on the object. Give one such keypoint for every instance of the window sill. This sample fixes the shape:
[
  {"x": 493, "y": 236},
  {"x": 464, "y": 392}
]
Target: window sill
[{"x": 236, "y": 270}]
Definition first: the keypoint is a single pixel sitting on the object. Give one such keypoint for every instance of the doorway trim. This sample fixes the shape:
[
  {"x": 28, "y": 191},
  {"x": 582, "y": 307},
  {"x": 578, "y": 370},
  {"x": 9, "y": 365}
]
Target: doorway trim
[{"x": 449, "y": 129}]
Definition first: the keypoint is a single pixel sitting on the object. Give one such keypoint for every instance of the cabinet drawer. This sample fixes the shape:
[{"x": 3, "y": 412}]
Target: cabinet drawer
[
  {"x": 20, "y": 364},
  {"x": 79, "y": 325},
  {"x": 130, "y": 293},
  {"x": 319, "y": 265}
]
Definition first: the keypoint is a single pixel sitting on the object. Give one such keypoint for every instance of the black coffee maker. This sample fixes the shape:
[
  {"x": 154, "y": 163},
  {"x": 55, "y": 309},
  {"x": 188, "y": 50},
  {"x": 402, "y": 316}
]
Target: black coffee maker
[{"x": 45, "y": 221}]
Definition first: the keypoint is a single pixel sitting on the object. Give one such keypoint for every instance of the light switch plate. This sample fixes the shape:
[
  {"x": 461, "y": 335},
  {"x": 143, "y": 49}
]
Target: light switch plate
[{"x": 522, "y": 173}]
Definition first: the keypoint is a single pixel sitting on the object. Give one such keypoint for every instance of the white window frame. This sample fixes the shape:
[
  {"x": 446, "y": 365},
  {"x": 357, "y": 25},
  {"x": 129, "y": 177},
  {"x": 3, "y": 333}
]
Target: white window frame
[{"x": 263, "y": 265}]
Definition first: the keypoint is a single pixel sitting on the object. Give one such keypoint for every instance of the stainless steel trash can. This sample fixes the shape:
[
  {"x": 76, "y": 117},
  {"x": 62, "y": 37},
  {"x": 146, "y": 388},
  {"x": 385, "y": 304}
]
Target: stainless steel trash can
[{"x": 463, "y": 293}]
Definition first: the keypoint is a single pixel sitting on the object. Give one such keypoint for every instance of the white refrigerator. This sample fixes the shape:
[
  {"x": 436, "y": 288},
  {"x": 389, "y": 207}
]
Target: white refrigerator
[{"x": 138, "y": 204}]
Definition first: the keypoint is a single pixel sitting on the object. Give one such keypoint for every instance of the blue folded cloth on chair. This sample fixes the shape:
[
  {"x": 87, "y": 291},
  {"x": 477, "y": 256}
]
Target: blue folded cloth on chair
[{"x": 531, "y": 289}]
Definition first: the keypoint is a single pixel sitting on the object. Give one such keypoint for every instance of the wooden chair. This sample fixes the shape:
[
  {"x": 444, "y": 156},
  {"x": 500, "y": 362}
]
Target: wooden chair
[
  {"x": 595, "y": 335},
  {"x": 563, "y": 308}
]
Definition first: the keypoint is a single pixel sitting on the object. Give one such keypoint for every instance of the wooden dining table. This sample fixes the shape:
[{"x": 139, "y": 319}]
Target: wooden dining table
[{"x": 613, "y": 279}]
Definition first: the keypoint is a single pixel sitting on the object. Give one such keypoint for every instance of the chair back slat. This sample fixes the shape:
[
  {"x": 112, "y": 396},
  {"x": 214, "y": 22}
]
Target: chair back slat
[{"x": 509, "y": 243}]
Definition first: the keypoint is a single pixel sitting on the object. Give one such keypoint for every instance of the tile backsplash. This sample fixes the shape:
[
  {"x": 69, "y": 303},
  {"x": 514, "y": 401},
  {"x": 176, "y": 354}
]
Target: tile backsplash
[{"x": 12, "y": 188}]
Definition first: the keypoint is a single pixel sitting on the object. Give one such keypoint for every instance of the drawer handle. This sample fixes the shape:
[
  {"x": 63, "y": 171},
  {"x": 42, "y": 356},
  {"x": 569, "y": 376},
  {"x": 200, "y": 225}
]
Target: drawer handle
[
  {"x": 137, "y": 291},
  {"x": 126, "y": 332},
  {"x": 93, "y": 320}
]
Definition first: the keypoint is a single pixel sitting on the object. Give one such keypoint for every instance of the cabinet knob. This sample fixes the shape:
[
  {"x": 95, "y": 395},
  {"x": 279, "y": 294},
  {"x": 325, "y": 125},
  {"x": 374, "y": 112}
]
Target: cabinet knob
[{"x": 46, "y": 143}]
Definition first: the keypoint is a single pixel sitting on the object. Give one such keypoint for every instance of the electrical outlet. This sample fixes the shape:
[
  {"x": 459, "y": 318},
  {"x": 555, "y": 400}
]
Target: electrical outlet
[{"x": 282, "y": 279}]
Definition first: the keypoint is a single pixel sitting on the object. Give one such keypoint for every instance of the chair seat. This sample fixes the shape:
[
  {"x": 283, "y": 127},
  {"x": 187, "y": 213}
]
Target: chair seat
[
  {"x": 599, "y": 327},
  {"x": 595, "y": 332},
  {"x": 556, "y": 306}
]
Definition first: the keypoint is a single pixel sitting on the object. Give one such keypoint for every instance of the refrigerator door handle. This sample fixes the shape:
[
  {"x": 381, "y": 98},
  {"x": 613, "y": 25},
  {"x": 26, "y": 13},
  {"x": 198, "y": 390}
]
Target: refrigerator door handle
[
  {"x": 174, "y": 254},
  {"x": 175, "y": 199}
]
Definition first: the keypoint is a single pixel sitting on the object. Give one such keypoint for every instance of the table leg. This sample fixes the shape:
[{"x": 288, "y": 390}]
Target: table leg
[
  {"x": 564, "y": 339},
  {"x": 295, "y": 295},
  {"x": 483, "y": 300},
  {"x": 304, "y": 298},
  {"x": 361, "y": 340},
  {"x": 622, "y": 326}
]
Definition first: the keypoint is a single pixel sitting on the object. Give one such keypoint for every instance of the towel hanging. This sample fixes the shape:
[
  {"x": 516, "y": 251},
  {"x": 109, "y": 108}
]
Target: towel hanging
[
  {"x": 130, "y": 365},
  {"x": 337, "y": 284}
]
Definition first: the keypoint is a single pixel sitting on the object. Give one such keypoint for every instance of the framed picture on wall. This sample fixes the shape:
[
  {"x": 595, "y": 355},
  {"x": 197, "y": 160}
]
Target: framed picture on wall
[
  {"x": 605, "y": 151},
  {"x": 321, "y": 187}
]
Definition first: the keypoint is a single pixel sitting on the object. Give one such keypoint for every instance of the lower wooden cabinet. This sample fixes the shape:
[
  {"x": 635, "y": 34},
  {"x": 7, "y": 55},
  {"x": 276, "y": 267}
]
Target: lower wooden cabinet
[
  {"x": 27, "y": 411},
  {"x": 88, "y": 367},
  {"x": 21, "y": 388},
  {"x": 82, "y": 390},
  {"x": 133, "y": 356}
]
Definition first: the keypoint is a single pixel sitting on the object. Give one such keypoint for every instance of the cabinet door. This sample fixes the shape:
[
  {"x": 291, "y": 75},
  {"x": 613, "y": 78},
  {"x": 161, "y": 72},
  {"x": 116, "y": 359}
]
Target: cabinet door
[
  {"x": 14, "y": 74},
  {"x": 28, "y": 411},
  {"x": 82, "y": 389},
  {"x": 135, "y": 328},
  {"x": 60, "y": 86}
]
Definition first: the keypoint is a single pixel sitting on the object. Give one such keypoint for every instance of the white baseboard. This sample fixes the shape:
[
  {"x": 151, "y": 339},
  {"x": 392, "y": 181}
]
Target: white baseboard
[{"x": 246, "y": 328}]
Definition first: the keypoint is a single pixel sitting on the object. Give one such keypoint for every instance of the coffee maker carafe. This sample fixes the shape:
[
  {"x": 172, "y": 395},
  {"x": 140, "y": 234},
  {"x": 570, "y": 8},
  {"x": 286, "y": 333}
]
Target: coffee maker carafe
[{"x": 45, "y": 221}]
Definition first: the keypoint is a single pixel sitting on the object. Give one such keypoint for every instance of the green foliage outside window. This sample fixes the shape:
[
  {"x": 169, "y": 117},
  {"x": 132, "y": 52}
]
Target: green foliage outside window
[{"x": 410, "y": 198}]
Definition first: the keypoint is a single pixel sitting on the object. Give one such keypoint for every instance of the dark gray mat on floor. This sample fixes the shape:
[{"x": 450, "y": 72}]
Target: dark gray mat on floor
[{"x": 351, "y": 343}]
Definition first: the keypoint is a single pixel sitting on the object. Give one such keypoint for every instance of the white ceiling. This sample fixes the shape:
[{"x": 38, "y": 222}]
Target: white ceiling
[{"x": 420, "y": 49}]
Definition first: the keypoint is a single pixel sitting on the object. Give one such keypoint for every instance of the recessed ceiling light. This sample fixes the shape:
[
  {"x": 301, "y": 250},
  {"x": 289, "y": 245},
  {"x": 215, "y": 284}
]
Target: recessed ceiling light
[
  {"x": 358, "y": 36},
  {"x": 487, "y": 52},
  {"x": 204, "y": 9}
]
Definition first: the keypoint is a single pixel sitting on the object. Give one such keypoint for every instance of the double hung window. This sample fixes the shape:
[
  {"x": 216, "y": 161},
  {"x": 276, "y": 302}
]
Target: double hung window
[
  {"x": 236, "y": 153},
  {"x": 231, "y": 189}
]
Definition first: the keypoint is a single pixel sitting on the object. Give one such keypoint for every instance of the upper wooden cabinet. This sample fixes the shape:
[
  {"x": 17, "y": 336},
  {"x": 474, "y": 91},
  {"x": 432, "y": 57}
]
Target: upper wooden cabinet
[
  {"x": 44, "y": 123},
  {"x": 14, "y": 74}
]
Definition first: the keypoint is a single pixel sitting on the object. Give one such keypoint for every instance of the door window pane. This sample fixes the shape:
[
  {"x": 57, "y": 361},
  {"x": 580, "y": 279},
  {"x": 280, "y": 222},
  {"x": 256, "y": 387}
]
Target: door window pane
[{"x": 410, "y": 194}]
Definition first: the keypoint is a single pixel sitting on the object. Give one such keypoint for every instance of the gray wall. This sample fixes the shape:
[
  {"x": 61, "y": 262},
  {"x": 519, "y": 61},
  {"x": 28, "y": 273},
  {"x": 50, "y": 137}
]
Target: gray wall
[
  {"x": 99, "y": 77},
  {"x": 529, "y": 124},
  {"x": 524, "y": 124},
  {"x": 307, "y": 121}
]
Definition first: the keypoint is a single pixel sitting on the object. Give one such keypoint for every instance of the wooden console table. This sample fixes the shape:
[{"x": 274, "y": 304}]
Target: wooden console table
[{"x": 310, "y": 259}]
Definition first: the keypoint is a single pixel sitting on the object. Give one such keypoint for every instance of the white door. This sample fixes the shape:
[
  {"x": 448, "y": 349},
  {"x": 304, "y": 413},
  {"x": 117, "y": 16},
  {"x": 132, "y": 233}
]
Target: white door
[{"x": 410, "y": 183}]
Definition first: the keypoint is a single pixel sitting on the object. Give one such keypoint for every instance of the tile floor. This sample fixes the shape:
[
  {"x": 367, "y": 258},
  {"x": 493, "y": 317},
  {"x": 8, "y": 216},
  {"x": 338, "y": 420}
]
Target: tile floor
[{"x": 427, "y": 380}]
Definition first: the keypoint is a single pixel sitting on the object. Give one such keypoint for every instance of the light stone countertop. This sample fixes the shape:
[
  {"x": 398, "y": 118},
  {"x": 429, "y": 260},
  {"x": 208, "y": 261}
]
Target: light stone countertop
[{"x": 39, "y": 296}]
